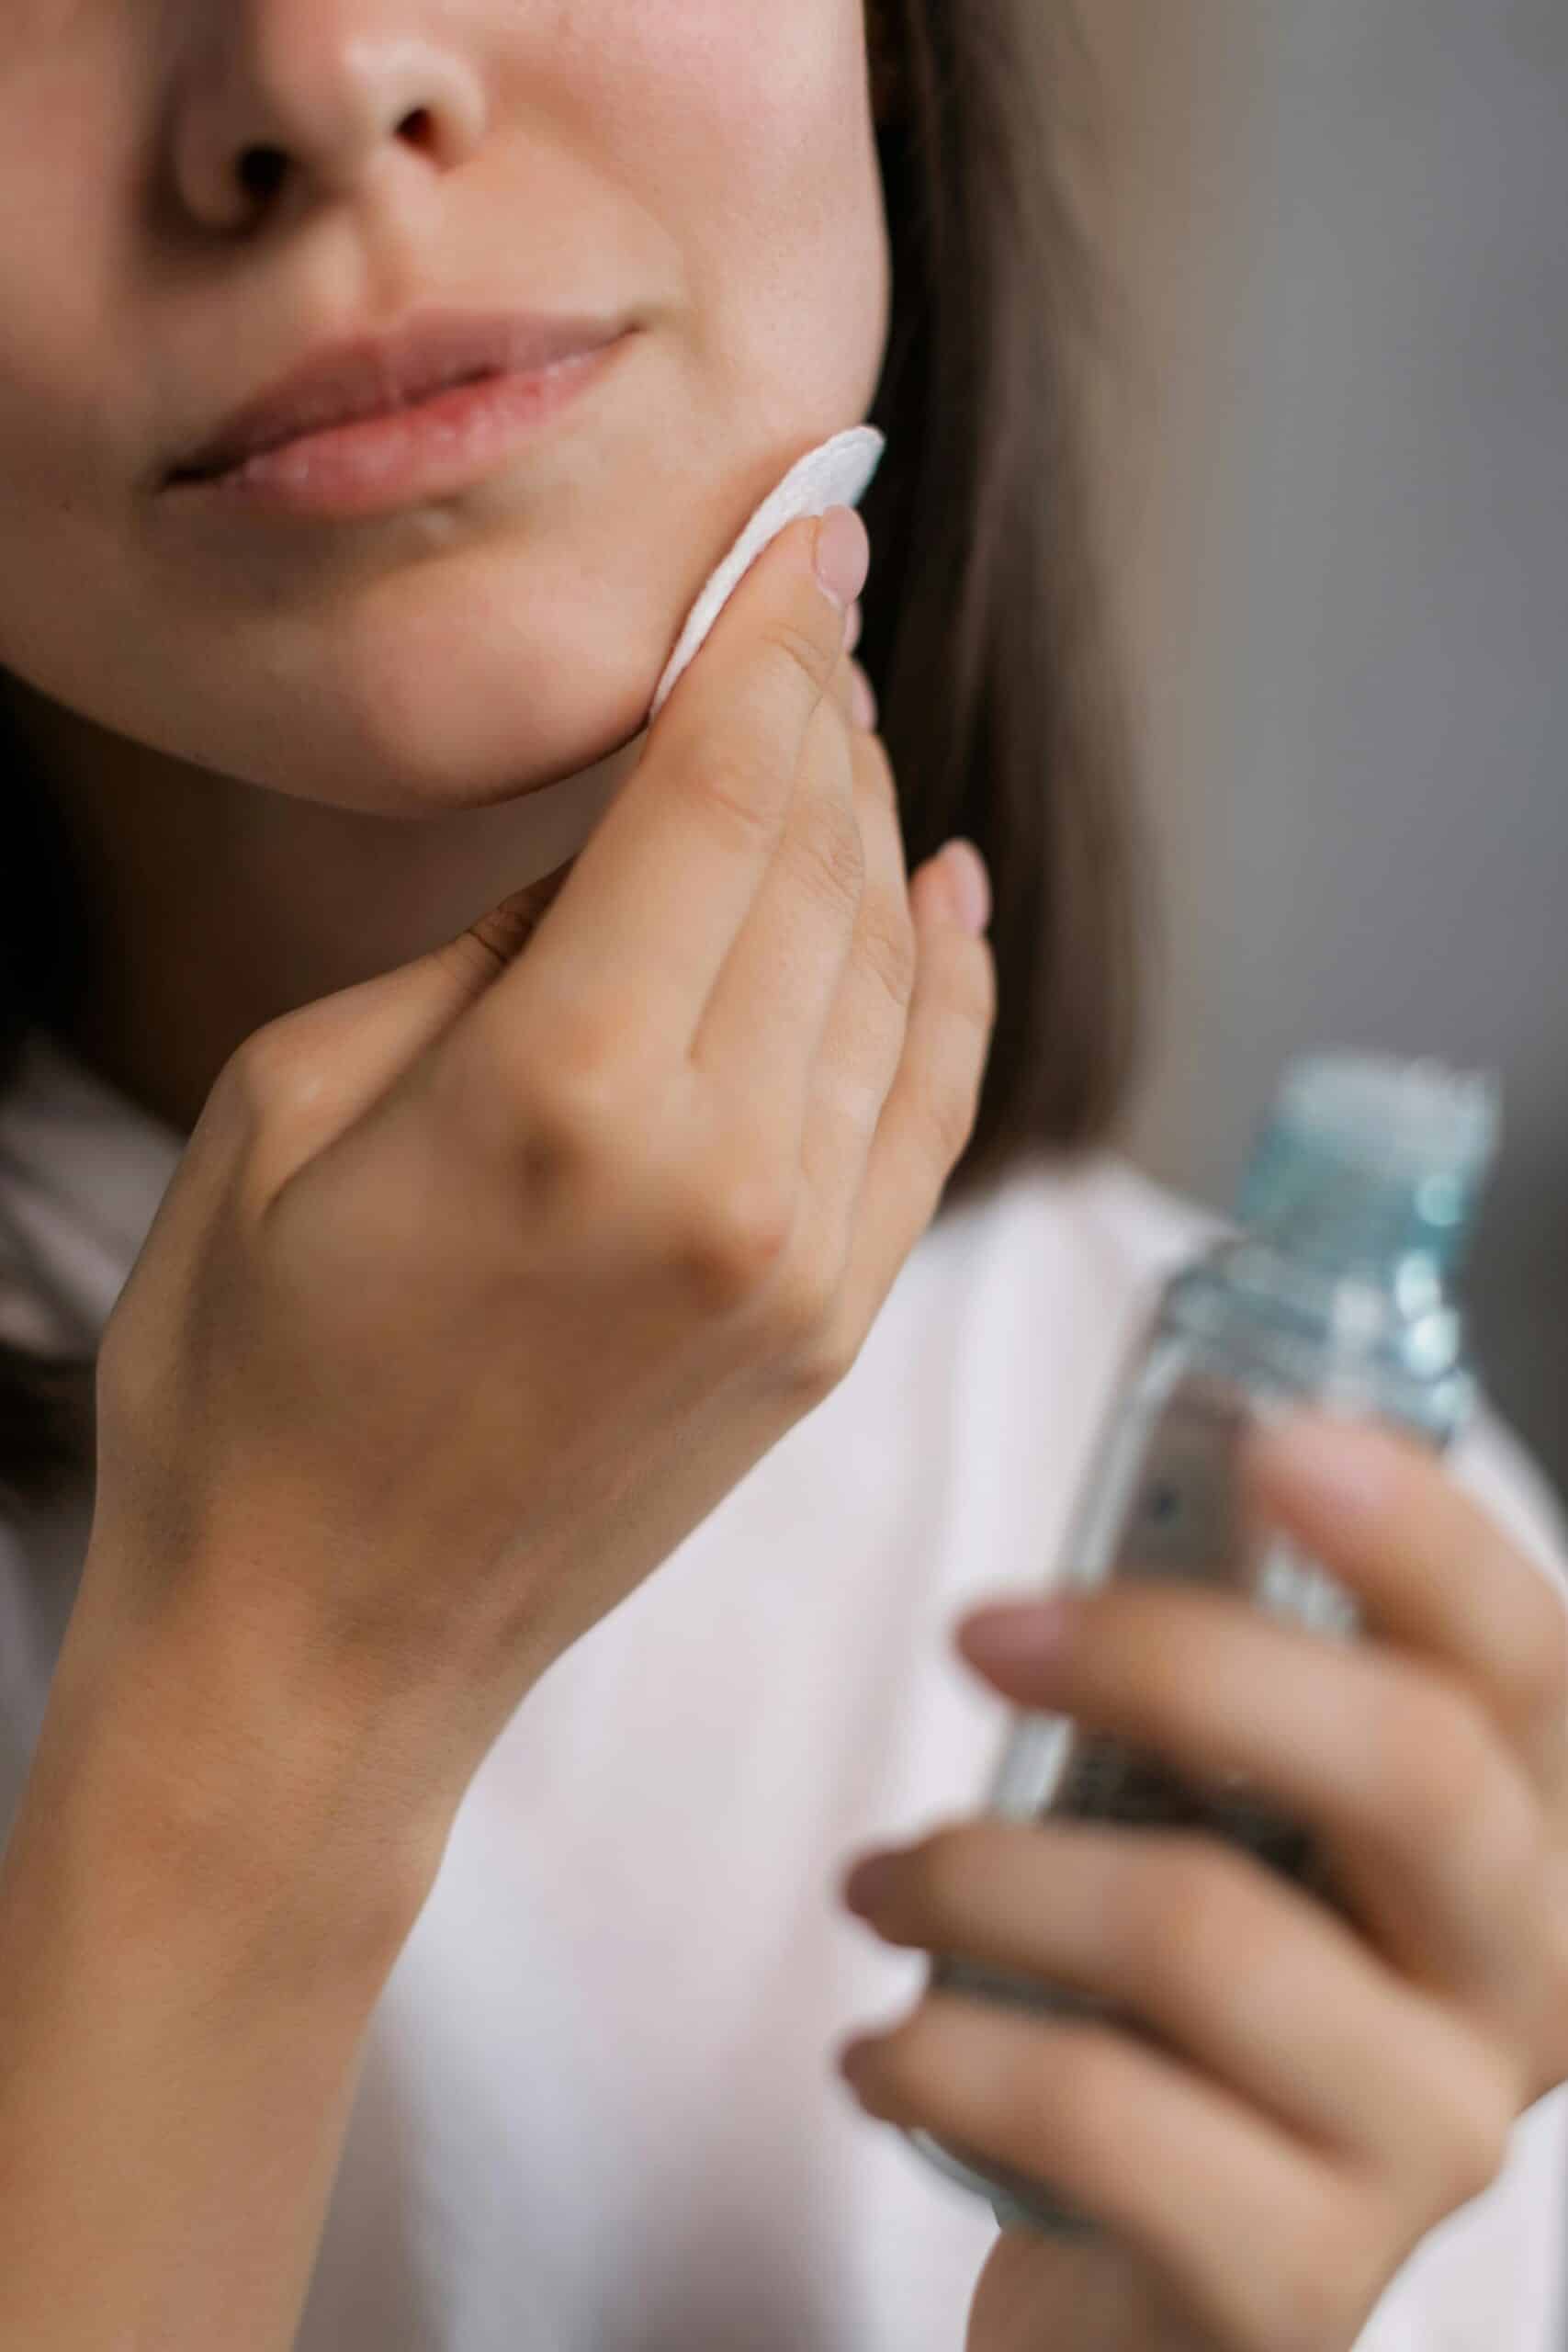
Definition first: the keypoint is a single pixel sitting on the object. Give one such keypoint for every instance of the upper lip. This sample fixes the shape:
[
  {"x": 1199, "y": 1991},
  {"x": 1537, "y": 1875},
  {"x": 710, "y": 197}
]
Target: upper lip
[{"x": 374, "y": 374}]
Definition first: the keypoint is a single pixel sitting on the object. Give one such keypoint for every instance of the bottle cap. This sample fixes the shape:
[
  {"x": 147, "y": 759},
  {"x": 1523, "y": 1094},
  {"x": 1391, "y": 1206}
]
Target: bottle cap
[{"x": 1366, "y": 1160}]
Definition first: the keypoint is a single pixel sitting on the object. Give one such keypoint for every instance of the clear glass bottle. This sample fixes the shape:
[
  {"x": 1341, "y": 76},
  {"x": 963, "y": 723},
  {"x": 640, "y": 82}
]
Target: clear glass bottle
[{"x": 1335, "y": 1291}]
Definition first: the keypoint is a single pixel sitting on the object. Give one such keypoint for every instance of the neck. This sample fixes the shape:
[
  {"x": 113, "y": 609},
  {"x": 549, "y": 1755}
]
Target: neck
[{"x": 211, "y": 907}]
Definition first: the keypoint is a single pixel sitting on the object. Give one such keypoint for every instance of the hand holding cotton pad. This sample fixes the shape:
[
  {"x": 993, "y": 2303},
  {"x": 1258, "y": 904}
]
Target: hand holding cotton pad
[{"x": 838, "y": 473}]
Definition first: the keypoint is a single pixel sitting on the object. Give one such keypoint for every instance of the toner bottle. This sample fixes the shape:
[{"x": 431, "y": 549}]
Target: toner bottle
[{"x": 1334, "y": 1294}]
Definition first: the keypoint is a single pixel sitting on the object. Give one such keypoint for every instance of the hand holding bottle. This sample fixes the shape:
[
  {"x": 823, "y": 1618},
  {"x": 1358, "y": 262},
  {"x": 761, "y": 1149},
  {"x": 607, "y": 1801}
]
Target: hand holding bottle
[{"x": 1293, "y": 2098}]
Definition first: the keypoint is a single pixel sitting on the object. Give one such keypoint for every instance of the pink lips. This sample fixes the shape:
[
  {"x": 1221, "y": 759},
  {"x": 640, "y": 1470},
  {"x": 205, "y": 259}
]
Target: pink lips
[
  {"x": 425, "y": 448},
  {"x": 386, "y": 375}
]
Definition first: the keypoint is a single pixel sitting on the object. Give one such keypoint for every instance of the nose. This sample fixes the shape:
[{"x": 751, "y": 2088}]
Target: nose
[{"x": 283, "y": 103}]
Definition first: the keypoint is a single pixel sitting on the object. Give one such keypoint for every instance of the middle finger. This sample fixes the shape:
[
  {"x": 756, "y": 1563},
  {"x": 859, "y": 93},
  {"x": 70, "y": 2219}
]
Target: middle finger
[
  {"x": 1215, "y": 1959},
  {"x": 862, "y": 1044},
  {"x": 1431, "y": 1839}
]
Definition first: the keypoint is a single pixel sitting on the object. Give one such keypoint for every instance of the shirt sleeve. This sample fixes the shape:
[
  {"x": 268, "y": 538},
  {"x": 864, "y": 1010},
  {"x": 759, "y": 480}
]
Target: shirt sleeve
[{"x": 1493, "y": 2276}]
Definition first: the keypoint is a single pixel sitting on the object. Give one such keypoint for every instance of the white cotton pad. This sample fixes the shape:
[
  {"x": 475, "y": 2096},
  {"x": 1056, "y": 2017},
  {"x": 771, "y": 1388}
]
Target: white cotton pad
[{"x": 838, "y": 474}]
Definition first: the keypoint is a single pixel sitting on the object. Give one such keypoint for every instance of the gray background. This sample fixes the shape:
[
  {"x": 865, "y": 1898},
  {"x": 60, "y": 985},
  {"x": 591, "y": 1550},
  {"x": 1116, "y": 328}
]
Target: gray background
[{"x": 1335, "y": 436}]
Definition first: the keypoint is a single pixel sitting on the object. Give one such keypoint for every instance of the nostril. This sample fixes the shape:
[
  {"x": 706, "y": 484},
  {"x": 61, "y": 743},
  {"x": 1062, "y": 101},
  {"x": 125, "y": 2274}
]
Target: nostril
[{"x": 260, "y": 170}]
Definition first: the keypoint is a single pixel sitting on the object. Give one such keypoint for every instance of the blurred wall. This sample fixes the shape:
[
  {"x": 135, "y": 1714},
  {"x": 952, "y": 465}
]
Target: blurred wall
[{"x": 1335, "y": 439}]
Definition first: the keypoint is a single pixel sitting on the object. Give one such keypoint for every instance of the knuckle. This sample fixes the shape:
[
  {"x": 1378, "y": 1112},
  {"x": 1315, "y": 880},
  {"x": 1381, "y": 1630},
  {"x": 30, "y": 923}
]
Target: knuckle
[
  {"x": 800, "y": 1309},
  {"x": 575, "y": 1108},
  {"x": 478, "y": 957},
  {"x": 1430, "y": 1761},
  {"x": 733, "y": 1235},
  {"x": 1470, "y": 2161},
  {"x": 827, "y": 844},
  {"x": 1082, "y": 2083},
  {"x": 1481, "y": 2156},
  {"x": 802, "y": 1315},
  {"x": 491, "y": 944},
  {"x": 1476, "y": 2131},
  {"x": 268, "y": 1071},
  {"x": 887, "y": 941},
  {"x": 738, "y": 792},
  {"x": 1188, "y": 1907},
  {"x": 803, "y": 648},
  {"x": 551, "y": 1122},
  {"x": 850, "y": 1099},
  {"x": 820, "y": 1363}
]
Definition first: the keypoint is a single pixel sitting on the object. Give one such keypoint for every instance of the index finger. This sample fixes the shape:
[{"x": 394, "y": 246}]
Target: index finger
[{"x": 647, "y": 918}]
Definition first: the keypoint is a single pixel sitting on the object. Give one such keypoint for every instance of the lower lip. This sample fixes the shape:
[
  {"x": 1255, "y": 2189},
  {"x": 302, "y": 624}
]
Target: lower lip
[{"x": 385, "y": 462}]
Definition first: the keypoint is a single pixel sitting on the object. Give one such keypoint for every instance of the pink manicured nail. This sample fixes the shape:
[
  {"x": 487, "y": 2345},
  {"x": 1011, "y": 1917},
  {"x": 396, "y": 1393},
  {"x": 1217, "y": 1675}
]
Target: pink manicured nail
[
  {"x": 843, "y": 555},
  {"x": 853, "y": 2053},
  {"x": 868, "y": 1881},
  {"x": 1030, "y": 1633},
  {"x": 968, "y": 885}
]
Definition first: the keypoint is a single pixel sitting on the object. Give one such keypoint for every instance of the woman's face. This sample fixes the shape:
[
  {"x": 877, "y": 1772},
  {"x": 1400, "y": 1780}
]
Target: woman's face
[{"x": 707, "y": 169}]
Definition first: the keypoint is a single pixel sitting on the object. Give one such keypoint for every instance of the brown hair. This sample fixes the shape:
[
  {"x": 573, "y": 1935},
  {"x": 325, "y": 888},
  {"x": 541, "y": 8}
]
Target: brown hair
[{"x": 984, "y": 627}]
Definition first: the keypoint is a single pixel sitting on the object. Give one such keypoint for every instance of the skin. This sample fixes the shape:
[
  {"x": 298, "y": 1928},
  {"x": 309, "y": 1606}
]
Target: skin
[
  {"x": 295, "y": 756},
  {"x": 291, "y": 761},
  {"x": 1335, "y": 2086}
]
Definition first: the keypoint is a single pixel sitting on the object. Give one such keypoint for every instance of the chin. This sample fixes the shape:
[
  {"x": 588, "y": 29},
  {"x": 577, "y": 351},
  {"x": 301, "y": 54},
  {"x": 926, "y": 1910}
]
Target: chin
[{"x": 431, "y": 748}]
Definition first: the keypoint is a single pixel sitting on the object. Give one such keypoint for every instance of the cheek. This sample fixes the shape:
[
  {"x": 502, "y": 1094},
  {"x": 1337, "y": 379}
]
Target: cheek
[
  {"x": 73, "y": 395},
  {"x": 734, "y": 139},
  {"x": 755, "y": 150}
]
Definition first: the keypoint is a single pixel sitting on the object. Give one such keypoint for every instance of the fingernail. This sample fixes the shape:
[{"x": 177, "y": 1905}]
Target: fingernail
[
  {"x": 968, "y": 885},
  {"x": 1028, "y": 1632},
  {"x": 854, "y": 2054},
  {"x": 1341, "y": 1463},
  {"x": 868, "y": 1882},
  {"x": 843, "y": 555}
]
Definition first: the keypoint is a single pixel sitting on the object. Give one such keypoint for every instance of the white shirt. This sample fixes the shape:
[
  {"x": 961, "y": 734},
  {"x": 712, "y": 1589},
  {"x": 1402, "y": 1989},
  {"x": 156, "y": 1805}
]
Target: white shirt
[{"x": 598, "y": 2111}]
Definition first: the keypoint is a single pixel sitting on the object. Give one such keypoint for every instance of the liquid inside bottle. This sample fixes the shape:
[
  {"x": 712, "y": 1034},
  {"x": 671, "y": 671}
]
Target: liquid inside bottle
[{"x": 1333, "y": 1292}]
